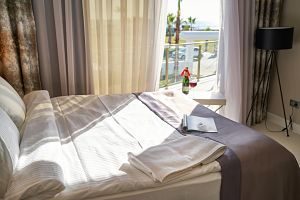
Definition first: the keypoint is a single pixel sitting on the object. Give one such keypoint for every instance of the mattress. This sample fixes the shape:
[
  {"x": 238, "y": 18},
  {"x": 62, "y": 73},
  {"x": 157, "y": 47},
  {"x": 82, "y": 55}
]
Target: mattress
[{"x": 206, "y": 187}]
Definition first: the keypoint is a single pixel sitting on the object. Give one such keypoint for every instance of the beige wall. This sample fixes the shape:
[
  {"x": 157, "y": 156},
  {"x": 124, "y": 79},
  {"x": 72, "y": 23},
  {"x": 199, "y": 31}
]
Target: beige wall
[{"x": 289, "y": 65}]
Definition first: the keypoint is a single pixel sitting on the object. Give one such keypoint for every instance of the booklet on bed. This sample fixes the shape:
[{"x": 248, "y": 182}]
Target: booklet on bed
[{"x": 202, "y": 124}]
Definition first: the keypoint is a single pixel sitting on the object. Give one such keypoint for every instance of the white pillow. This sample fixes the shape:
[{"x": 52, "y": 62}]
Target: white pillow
[
  {"x": 12, "y": 103},
  {"x": 9, "y": 150}
]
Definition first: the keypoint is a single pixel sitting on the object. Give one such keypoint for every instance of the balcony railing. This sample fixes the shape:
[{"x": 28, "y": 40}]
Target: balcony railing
[{"x": 199, "y": 57}]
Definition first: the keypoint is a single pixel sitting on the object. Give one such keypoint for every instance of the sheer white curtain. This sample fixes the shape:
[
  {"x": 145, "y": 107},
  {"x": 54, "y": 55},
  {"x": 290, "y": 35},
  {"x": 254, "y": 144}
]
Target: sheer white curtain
[
  {"x": 125, "y": 40},
  {"x": 236, "y": 51}
]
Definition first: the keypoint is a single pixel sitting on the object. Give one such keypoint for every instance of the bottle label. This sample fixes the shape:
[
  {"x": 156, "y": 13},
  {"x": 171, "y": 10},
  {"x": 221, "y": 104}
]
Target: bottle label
[{"x": 185, "y": 89}]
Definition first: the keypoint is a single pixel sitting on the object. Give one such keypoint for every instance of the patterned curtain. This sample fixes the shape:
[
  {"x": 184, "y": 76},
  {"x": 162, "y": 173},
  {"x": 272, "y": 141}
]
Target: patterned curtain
[
  {"x": 267, "y": 14},
  {"x": 18, "y": 50}
]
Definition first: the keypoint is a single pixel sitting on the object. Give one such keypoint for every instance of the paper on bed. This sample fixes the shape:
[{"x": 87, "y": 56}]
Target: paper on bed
[
  {"x": 202, "y": 124},
  {"x": 171, "y": 160}
]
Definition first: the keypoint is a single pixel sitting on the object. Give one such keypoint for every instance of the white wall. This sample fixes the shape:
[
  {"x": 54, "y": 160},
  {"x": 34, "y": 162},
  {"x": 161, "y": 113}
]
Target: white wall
[{"x": 289, "y": 65}]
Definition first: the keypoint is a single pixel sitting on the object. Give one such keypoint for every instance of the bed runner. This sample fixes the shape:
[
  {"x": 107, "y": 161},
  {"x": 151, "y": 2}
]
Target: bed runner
[{"x": 254, "y": 167}]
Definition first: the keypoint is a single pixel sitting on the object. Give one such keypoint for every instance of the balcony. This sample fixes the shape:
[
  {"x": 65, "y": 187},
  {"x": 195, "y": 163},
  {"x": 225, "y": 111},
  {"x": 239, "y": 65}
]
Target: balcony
[{"x": 199, "y": 57}]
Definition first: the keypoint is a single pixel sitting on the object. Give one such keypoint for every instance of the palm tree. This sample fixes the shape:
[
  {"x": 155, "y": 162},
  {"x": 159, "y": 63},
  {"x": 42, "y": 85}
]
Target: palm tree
[
  {"x": 191, "y": 21},
  {"x": 178, "y": 22},
  {"x": 170, "y": 22},
  {"x": 176, "y": 63}
]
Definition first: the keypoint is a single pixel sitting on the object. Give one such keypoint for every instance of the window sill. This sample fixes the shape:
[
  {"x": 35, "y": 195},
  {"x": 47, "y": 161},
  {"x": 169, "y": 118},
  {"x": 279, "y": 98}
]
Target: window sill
[{"x": 201, "y": 94}]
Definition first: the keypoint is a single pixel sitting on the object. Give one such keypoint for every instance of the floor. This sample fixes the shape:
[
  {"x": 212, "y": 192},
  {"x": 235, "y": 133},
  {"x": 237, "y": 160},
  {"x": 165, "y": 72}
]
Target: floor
[{"x": 291, "y": 143}]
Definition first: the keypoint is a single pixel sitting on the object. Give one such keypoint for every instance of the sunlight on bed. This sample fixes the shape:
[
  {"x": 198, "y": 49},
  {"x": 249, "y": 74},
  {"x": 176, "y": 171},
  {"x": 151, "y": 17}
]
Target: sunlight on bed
[
  {"x": 117, "y": 135},
  {"x": 86, "y": 139}
]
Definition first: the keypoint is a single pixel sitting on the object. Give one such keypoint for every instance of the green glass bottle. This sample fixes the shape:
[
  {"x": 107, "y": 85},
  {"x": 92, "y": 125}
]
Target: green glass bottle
[{"x": 185, "y": 83}]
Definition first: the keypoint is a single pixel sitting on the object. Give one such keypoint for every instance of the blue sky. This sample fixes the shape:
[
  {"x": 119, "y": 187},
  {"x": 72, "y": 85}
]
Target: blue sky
[{"x": 204, "y": 10}]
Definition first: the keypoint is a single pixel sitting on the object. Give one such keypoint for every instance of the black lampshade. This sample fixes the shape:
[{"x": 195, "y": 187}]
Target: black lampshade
[{"x": 274, "y": 38}]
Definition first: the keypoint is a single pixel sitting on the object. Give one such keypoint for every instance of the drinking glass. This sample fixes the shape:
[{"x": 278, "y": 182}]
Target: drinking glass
[{"x": 193, "y": 82}]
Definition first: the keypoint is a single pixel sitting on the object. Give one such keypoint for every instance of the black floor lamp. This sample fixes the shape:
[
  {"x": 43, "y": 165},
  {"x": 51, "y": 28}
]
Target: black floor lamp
[{"x": 273, "y": 39}]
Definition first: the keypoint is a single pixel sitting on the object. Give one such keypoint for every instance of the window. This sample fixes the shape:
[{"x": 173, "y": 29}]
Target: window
[{"x": 197, "y": 47}]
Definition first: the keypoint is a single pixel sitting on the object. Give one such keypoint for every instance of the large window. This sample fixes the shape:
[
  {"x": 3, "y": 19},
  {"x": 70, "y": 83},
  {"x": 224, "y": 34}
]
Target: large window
[{"x": 197, "y": 45}]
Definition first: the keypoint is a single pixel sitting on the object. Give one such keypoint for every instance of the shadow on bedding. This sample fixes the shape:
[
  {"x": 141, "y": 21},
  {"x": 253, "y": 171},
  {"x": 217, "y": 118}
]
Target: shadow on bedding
[
  {"x": 38, "y": 180},
  {"x": 75, "y": 115}
]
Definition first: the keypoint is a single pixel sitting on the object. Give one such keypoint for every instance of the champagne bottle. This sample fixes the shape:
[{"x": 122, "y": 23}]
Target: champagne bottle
[
  {"x": 186, "y": 80},
  {"x": 185, "y": 85}
]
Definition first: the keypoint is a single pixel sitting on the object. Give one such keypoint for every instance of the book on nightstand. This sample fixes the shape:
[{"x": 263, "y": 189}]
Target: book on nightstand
[{"x": 201, "y": 124}]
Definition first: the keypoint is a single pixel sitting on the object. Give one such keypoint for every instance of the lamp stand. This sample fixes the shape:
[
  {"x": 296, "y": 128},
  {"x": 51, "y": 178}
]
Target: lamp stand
[
  {"x": 282, "y": 102},
  {"x": 272, "y": 58}
]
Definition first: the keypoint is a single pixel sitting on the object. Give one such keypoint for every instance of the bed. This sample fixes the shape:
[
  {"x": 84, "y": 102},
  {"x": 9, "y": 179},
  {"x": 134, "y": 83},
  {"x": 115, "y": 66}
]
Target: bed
[{"x": 75, "y": 147}]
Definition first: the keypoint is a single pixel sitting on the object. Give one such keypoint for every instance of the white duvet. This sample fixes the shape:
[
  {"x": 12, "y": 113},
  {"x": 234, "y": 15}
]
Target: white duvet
[{"x": 76, "y": 147}]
